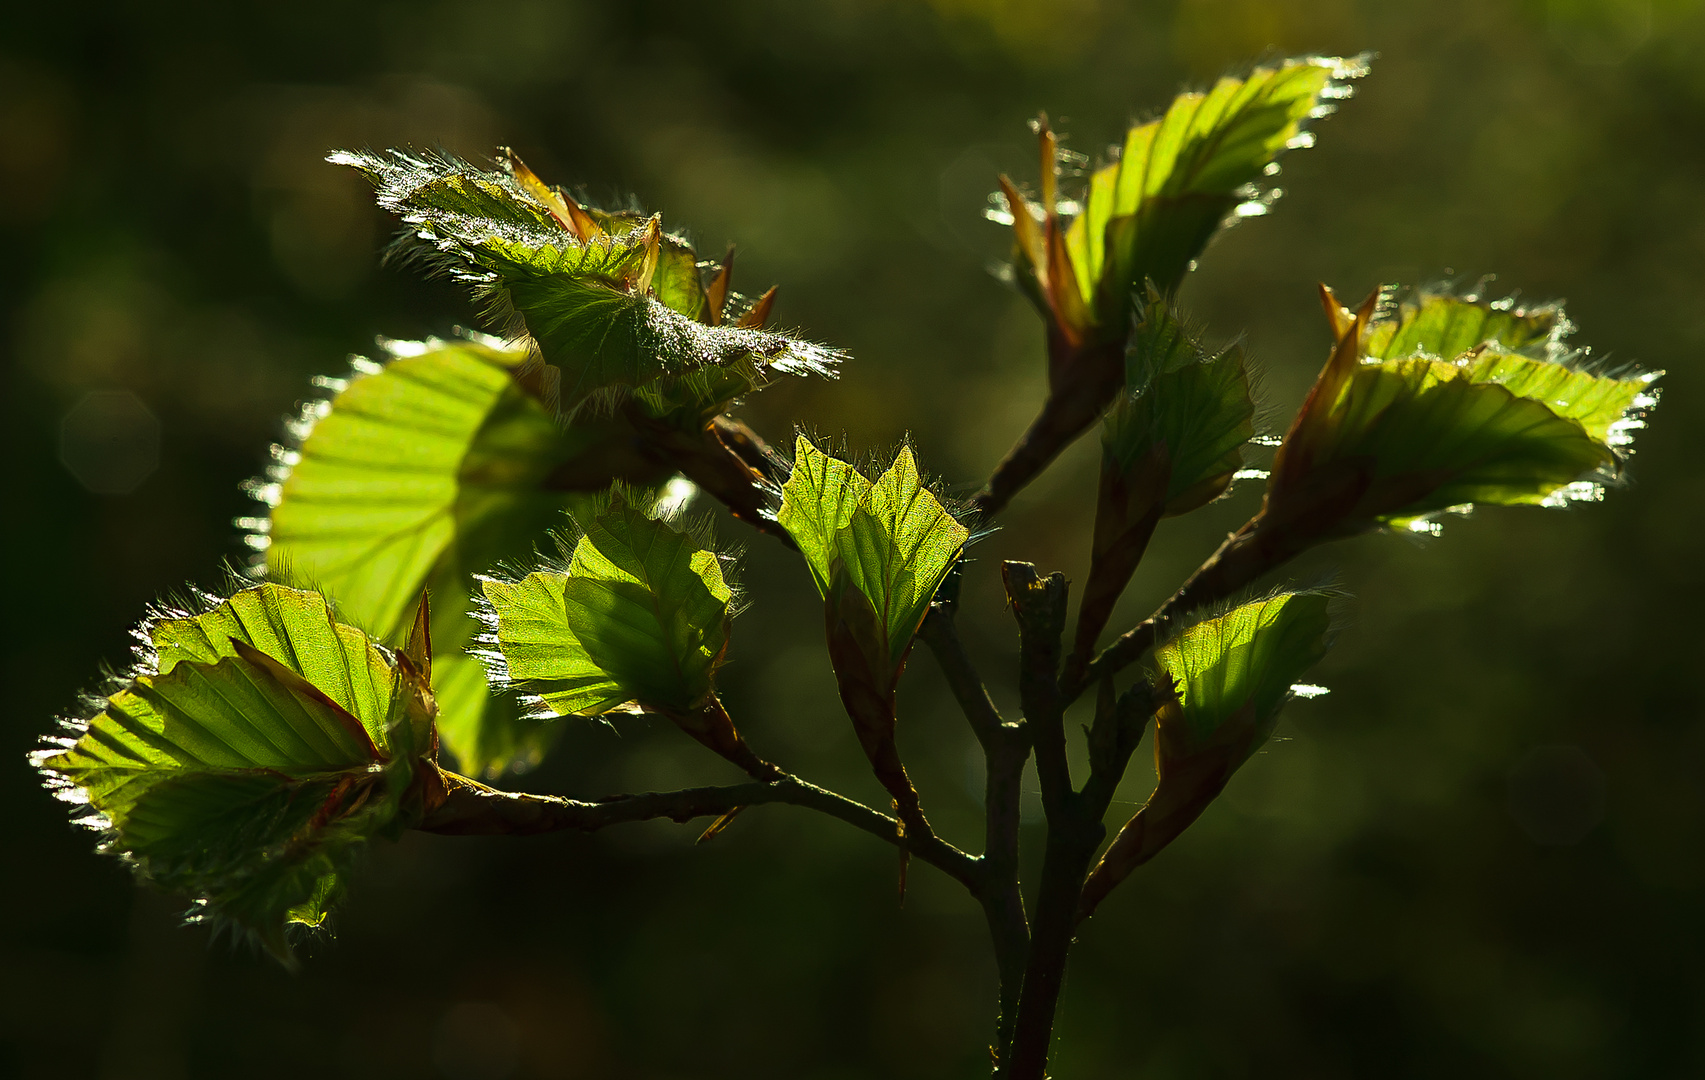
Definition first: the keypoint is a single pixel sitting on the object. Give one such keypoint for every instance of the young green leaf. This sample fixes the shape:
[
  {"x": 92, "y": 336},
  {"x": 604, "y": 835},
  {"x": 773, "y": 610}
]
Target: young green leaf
[
  {"x": 415, "y": 476},
  {"x": 892, "y": 541},
  {"x": 1524, "y": 350},
  {"x": 261, "y": 743},
  {"x": 639, "y": 614},
  {"x": 1394, "y": 441},
  {"x": 1242, "y": 662},
  {"x": 1177, "y": 181},
  {"x": 609, "y": 299},
  {"x": 878, "y": 552},
  {"x": 1142, "y": 222},
  {"x": 1608, "y": 407},
  {"x": 1428, "y": 436},
  {"x": 1171, "y": 444},
  {"x": 1197, "y": 406},
  {"x": 1444, "y": 327},
  {"x": 1229, "y": 677}
]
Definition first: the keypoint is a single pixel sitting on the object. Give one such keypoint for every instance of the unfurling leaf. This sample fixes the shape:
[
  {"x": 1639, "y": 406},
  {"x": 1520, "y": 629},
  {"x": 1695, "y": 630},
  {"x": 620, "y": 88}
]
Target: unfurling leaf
[
  {"x": 420, "y": 473},
  {"x": 1179, "y": 179},
  {"x": 1171, "y": 444},
  {"x": 1141, "y": 223},
  {"x": 891, "y": 541},
  {"x": 1393, "y": 441},
  {"x": 1229, "y": 677},
  {"x": 638, "y": 614},
  {"x": 1526, "y": 351},
  {"x": 619, "y": 306},
  {"x": 1240, "y": 665},
  {"x": 1195, "y": 405},
  {"x": 878, "y": 552},
  {"x": 259, "y": 745}
]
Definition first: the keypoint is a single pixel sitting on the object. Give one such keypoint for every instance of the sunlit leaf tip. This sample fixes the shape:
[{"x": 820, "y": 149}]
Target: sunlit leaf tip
[
  {"x": 636, "y": 614},
  {"x": 1207, "y": 162},
  {"x": 1239, "y": 667},
  {"x": 258, "y": 744},
  {"x": 1475, "y": 405}
]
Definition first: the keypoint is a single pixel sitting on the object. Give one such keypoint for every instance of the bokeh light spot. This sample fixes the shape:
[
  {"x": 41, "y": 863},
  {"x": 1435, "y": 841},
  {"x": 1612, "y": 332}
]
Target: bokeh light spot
[{"x": 110, "y": 442}]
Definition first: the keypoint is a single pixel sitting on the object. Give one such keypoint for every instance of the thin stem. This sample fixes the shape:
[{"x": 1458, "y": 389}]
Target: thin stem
[
  {"x": 1072, "y": 839},
  {"x": 1040, "y": 605},
  {"x": 1082, "y": 380},
  {"x": 473, "y": 809},
  {"x": 941, "y": 634},
  {"x": 1006, "y": 747},
  {"x": 1002, "y": 899}
]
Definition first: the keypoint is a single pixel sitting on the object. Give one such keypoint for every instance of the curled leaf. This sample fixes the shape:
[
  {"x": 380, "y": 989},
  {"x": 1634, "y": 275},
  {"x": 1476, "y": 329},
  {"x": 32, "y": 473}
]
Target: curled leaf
[
  {"x": 610, "y": 299},
  {"x": 1225, "y": 680}
]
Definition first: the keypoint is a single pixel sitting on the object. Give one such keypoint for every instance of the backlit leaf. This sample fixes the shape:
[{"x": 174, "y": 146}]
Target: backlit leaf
[
  {"x": 259, "y": 745},
  {"x": 622, "y": 307},
  {"x": 417, "y": 475},
  {"x": 1522, "y": 349},
  {"x": 891, "y": 540},
  {"x": 1245, "y": 659},
  {"x": 1179, "y": 178},
  {"x": 638, "y": 614},
  {"x": 1198, "y": 407}
]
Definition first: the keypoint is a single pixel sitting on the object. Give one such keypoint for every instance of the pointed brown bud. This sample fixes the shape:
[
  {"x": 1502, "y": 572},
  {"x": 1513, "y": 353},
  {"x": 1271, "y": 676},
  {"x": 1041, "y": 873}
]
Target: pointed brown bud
[
  {"x": 716, "y": 293},
  {"x": 653, "y": 241},
  {"x": 567, "y": 212},
  {"x": 760, "y": 312}
]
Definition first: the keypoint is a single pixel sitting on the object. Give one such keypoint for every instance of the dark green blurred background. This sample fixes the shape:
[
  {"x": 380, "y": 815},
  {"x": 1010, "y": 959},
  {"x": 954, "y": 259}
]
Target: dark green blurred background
[{"x": 1482, "y": 855}]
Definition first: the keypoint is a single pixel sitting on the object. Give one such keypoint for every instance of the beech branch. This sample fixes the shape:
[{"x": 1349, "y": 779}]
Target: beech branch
[
  {"x": 473, "y": 809},
  {"x": 1040, "y": 605},
  {"x": 941, "y": 634}
]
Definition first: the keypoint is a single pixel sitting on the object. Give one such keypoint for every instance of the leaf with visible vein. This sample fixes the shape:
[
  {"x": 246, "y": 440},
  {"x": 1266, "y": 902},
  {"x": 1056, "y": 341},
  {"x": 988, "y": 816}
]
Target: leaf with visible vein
[
  {"x": 893, "y": 540},
  {"x": 640, "y": 614},
  {"x": 414, "y": 477},
  {"x": 621, "y": 308},
  {"x": 260, "y": 746},
  {"x": 1148, "y": 215}
]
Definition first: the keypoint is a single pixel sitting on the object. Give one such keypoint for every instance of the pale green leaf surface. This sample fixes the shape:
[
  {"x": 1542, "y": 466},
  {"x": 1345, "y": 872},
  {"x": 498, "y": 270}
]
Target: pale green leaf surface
[
  {"x": 541, "y": 656},
  {"x": 413, "y": 478},
  {"x": 1444, "y": 327},
  {"x": 1601, "y": 404},
  {"x": 1248, "y": 657},
  {"x": 898, "y": 547},
  {"x": 1521, "y": 349},
  {"x": 818, "y": 502},
  {"x": 1436, "y": 438},
  {"x": 893, "y": 540},
  {"x": 246, "y": 774},
  {"x": 639, "y": 615},
  {"x": 1147, "y": 215},
  {"x": 296, "y": 628}
]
